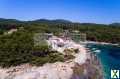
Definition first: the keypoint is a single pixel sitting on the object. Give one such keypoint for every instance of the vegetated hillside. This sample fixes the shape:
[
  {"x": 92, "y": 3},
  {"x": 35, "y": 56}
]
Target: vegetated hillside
[
  {"x": 95, "y": 32},
  {"x": 57, "y": 21},
  {"x": 18, "y": 48},
  {"x": 115, "y": 24}
]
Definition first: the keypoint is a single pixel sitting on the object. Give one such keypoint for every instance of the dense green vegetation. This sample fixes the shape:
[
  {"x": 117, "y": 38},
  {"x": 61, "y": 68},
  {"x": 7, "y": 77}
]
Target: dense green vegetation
[{"x": 18, "y": 47}]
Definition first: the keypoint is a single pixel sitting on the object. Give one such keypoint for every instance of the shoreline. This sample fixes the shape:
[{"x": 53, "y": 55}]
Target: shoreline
[
  {"x": 102, "y": 43},
  {"x": 95, "y": 60}
]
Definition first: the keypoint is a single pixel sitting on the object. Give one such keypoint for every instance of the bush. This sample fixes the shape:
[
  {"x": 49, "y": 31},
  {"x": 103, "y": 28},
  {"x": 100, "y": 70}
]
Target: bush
[
  {"x": 67, "y": 57},
  {"x": 39, "y": 61},
  {"x": 51, "y": 57},
  {"x": 56, "y": 57}
]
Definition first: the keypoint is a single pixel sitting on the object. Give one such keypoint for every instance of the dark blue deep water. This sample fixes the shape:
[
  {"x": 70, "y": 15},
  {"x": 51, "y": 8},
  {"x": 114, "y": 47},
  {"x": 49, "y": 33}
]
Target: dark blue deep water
[{"x": 108, "y": 55}]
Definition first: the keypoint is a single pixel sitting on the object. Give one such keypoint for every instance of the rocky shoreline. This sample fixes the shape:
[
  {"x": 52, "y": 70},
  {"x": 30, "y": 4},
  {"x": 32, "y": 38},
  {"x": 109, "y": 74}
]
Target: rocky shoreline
[
  {"x": 102, "y": 43},
  {"x": 91, "y": 69}
]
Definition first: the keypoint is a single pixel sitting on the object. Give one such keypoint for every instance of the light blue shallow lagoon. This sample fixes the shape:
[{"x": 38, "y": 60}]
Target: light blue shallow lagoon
[{"x": 108, "y": 55}]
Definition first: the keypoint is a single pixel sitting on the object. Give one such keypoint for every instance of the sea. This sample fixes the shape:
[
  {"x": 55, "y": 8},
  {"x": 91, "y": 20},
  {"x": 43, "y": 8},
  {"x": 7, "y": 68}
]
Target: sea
[{"x": 109, "y": 57}]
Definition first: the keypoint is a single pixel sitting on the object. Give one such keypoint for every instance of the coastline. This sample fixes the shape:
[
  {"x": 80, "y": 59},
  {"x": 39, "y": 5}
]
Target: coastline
[
  {"x": 96, "y": 61},
  {"x": 102, "y": 43},
  {"x": 108, "y": 55}
]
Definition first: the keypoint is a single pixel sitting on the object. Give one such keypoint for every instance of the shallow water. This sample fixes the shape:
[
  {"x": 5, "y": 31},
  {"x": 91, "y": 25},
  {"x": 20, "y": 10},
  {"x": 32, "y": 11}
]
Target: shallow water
[{"x": 109, "y": 56}]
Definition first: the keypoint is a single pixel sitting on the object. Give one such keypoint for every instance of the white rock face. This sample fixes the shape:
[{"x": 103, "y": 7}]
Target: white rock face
[
  {"x": 82, "y": 56},
  {"x": 68, "y": 44},
  {"x": 57, "y": 70}
]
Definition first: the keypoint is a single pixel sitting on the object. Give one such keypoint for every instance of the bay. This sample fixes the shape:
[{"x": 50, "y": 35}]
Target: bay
[{"x": 108, "y": 55}]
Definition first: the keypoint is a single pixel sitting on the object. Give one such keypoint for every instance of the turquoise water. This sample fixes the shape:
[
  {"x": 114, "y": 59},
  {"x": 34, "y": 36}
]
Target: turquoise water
[{"x": 108, "y": 55}]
